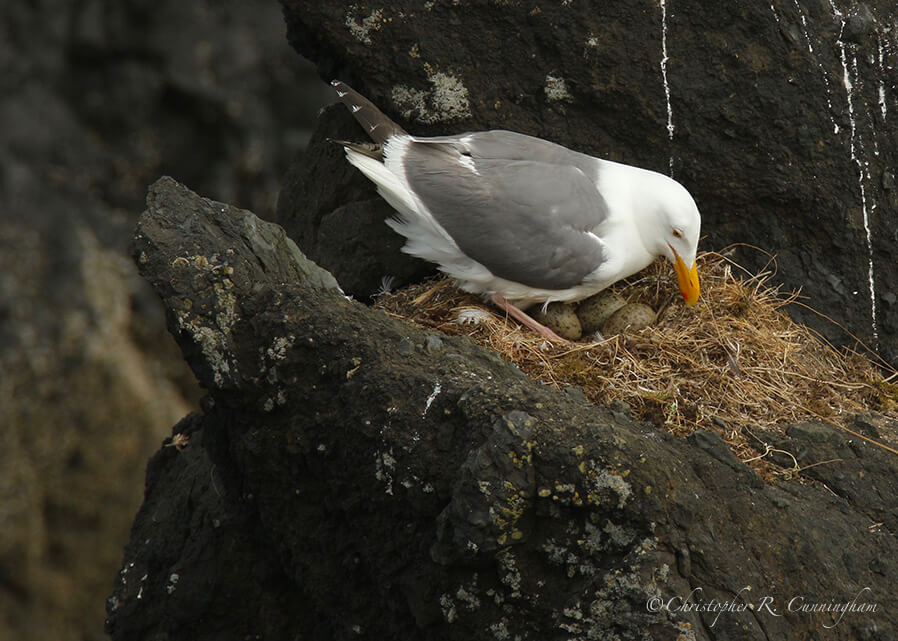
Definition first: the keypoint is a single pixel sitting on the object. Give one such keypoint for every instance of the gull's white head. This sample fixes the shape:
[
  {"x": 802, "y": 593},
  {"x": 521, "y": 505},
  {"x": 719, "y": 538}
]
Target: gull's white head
[{"x": 671, "y": 226}]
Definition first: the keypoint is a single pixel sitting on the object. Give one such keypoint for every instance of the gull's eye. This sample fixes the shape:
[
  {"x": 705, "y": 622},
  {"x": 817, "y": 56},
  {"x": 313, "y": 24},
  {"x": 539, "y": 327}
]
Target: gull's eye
[{"x": 677, "y": 233}]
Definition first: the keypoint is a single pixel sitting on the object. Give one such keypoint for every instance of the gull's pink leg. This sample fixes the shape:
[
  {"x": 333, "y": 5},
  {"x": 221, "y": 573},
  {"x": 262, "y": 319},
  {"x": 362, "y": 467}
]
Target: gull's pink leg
[{"x": 522, "y": 317}]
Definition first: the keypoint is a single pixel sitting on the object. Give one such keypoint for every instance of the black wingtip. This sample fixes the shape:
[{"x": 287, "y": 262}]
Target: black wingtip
[
  {"x": 370, "y": 149},
  {"x": 341, "y": 88},
  {"x": 377, "y": 125}
]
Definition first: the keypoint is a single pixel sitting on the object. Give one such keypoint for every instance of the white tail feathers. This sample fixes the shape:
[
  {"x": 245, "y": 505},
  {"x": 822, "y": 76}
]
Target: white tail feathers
[
  {"x": 388, "y": 184},
  {"x": 425, "y": 238}
]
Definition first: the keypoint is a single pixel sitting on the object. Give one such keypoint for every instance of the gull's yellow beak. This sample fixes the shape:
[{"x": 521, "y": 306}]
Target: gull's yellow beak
[{"x": 688, "y": 278}]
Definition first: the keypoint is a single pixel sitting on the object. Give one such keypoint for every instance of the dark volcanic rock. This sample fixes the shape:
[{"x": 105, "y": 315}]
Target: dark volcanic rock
[
  {"x": 352, "y": 477},
  {"x": 851, "y": 467},
  {"x": 782, "y": 119}
]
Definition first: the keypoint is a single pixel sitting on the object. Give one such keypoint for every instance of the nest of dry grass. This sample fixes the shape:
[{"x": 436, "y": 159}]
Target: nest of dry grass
[{"x": 735, "y": 363}]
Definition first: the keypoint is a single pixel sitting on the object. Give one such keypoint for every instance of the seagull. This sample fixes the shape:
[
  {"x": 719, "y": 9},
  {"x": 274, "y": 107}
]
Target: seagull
[{"x": 520, "y": 219}]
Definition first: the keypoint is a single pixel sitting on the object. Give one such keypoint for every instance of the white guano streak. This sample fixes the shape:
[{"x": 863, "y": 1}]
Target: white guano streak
[
  {"x": 664, "y": 59},
  {"x": 861, "y": 166},
  {"x": 883, "y": 107},
  {"x": 807, "y": 36},
  {"x": 430, "y": 399}
]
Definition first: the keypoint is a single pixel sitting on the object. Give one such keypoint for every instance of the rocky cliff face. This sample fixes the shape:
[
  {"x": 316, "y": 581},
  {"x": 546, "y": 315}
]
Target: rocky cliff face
[
  {"x": 781, "y": 118},
  {"x": 352, "y": 477}
]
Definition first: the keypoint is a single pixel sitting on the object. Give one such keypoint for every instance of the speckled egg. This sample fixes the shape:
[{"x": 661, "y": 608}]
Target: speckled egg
[
  {"x": 629, "y": 318},
  {"x": 560, "y": 318},
  {"x": 595, "y": 310}
]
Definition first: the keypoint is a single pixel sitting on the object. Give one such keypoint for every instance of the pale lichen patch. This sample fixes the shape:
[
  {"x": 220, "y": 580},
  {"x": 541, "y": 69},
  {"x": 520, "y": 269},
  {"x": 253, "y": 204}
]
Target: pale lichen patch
[
  {"x": 602, "y": 483},
  {"x": 447, "y": 100},
  {"x": 556, "y": 89},
  {"x": 279, "y": 346},
  {"x": 210, "y": 329},
  {"x": 500, "y": 630},
  {"x": 361, "y": 28},
  {"x": 510, "y": 575},
  {"x": 468, "y": 598},
  {"x": 448, "y": 608},
  {"x": 385, "y": 468}
]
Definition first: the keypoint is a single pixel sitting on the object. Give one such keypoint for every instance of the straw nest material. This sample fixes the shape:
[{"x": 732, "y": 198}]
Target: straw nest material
[{"x": 735, "y": 363}]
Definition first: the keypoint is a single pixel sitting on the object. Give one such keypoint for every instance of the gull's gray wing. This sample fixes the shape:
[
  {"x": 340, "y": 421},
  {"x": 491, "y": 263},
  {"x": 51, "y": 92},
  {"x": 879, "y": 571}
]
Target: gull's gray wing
[
  {"x": 522, "y": 210},
  {"x": 499, "y": 144}
]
